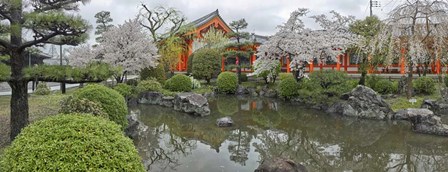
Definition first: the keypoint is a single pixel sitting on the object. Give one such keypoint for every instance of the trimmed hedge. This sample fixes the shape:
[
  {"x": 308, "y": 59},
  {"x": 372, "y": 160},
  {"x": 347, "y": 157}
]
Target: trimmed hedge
[
  {"x": 112, "y": 102},
  {"x": 157, "y": 72},
  {"x": 424, "y": 85},
  {"x": 206, "y": 62},
  {"x": 384, "y": 86},
  {"x": 42, "y": 89},
  {"x": 71, "y": 143},
  {"x": 227, "y": 82},
  {"x": 76, "y": 105},
  {"x": 124, "y": 89},
  {"x": 149, "y": 85},
  {"x": 179, "y": 83},
  {"x": 288, "y": 87}
]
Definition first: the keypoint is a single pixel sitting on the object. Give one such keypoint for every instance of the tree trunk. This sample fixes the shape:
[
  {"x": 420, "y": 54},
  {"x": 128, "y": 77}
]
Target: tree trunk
[
  {"x": 19, "y": 107},
  {"x": 409, "y": 89},
  {"x": 362, "y": 80}
]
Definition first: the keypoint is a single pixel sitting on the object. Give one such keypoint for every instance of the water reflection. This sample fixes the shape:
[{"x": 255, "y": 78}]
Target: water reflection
[{"x": 267, "y": 128}]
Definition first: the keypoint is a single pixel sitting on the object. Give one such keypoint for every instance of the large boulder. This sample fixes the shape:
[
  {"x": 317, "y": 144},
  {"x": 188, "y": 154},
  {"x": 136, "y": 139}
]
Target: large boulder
[
  {"x": 280, "y": 165},
  {"x": 191, "y": 103},
  {"x": 224, "y": 122},
  {"x": 152, "y": 98},
  {"x": 241, "y": 90},
  {"x": 423, "y": 121},
  {"x": 362, "y": 102},
  {"x": 136, "y": 130},
  {"x": 439, "y": 107}
]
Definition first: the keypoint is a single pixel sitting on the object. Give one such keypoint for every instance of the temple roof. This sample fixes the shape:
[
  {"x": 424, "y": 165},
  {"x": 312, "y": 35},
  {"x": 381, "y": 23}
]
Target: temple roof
[{"x": 203, "y": 20}]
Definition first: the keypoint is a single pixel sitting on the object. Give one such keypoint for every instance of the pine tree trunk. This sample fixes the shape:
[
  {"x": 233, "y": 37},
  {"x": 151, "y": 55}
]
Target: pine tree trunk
[{"x": 19, "y": 107}]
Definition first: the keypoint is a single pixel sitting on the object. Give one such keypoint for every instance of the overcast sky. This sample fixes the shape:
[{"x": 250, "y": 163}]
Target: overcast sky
[{"x": 262, "y": 15}]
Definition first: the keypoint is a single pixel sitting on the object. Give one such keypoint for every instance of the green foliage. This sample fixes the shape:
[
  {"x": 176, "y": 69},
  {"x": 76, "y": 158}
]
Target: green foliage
[
  {"x": 195, "y": 83},
  {"x": 424, "y": 85},
  {"x": 93, "y": 72},
  {"x": 240, "y": 54},
  {"x": 112, "y": 102},
  {"x": 288, "y": 87},
  {"x": 271, "y": 74},
  {"x": 158, "y": 73},
  {"x": 71, "y": 143},
  {"x": 5, "y": 72},
  {"x": 283, "y": 76},
  {"x": 446, "y": 80},
  {"x": 215, "y": 38},
  {"x": 42, "y": 89},
  {"x": 132, "y": 82},
  {"x": 244, "y": 77},
  {"x": 124, "y": 89},
  {"x": 206, "y": 63},
  {"x": 179, "y": 83},
  {"x": 149, "y": 85},
  {"x": 371, "y": 80},
  {"x": 190, "y": 64},
  {"x": 333, "y": 83},
  {"x": 227, "y": 82},
  {"x": 166, "y": 92},
  {"x": 403, "y": 103},
  {"x": 73, "y": 104},
  {"x": 384, "y": 86},
  {"x": 203, "y": 90}
]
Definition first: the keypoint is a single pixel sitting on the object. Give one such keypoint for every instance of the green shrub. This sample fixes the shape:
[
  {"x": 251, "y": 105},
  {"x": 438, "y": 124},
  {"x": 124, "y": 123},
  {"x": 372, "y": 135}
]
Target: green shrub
[
  {"x": 132, "y": 82},
  {"x": 190, "y": 64},
  {"x": 124, "y": 89},
  {"x": 205, "y": 63},
  {"x": 179, "y": 83},
  {"x": 270, "y": 75},
  {"x": 42, "y": 89},
  {"x": 332, "y": 83},
  {"x": 283, "y": 76},
  {"x": 424, "y": 85},
  {"x": 112, "y": 102},
  {"x": 384, "y": 86},
  {"x": 71, "y": 143},
  {"x": 227, "y": 82},
  {"x": 195, "y": 84},
  {"x": 371, "y": 80},
  {"x": 72, "y": 104},
  {"x": 150, "y": 84},
  {"x": 244, "y": 77},
  {"x": 157, "y": 72},
  {"x": 288, "y": 88}
]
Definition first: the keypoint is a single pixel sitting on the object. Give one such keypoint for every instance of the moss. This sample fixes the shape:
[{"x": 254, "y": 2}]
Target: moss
[{"x": 71, "y": 143}]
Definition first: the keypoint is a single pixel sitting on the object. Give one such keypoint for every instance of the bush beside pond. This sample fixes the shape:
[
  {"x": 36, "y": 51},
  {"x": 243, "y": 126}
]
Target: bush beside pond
[
  {"x": 227, "y": 82},
  {"x": 179, "y": 83},
  {"x": 77, "y": 105},
  {"x": 149, "y": 84},
  {"x": 424, "y": 85},
  {"x": 71, "y": 143},
  {"x": 288, "y": 87},
  {"x": 158, "y": 73},
  {"x": 112, "y": 102}
]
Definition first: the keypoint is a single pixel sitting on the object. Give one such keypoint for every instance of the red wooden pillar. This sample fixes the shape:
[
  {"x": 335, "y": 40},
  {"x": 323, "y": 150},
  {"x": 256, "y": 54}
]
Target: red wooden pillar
[
  {"x": 223, "y": 65},
  {"x": 288, "y": 69},
  {"x": 438, "y": 66},
  {"x": 338, "y": 63},
  {"x": 179, "y": 63},
  {"x": 311, "y": 66},
  {"x": 346, "y": 57}
]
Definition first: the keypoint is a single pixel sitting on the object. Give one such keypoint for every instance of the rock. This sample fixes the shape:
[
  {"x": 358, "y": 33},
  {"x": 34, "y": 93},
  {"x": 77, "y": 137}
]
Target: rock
[
  {"x": 444, "y": 94},
  {"x": 268, "y": 92},
  {"x": 280, "y": 165},
  {"x": 167, "y": 101},
  {"x": 135, "y": 129},
  {"x": 224, "y": 122},
  {"x": 252, "y": 92},
  {"x": 428, "y": 124},
  {"x": 152, "y": 98},
  {"x": 407, "y": 114},
  {"x": 438, "y": 107},
  {"x": 191, "y": 103},
  {"x": 362, "y": 102},
  {"x": 241, "y": 90}
]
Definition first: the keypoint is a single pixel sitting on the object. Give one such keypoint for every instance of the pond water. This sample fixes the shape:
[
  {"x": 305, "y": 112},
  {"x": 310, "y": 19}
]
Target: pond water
[{"x": 266, "y": 128}]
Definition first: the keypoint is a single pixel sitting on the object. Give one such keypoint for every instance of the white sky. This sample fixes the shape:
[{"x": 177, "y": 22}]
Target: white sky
[{"x": 262, "y": 15}]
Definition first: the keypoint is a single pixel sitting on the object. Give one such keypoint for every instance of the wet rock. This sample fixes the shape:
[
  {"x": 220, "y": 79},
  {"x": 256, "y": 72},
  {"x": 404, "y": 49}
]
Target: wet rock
[
  {"x": 407, "y": 114},
  {"x": 252, "y": 92},
  {"x": 438, "y": 107},
  {"x": 135, "y": 129},
  {"x": 423, "y": 121},
  {"x": 191, "y": 103},
  {"x": 167, "y": 101},
  {"x": 362, "y": 102},
  {"x": 152, "y": 98},
  {"x": 224, "y": 122},
  {"x": 280, "y": 165},
  {"x": 241, "y": 90},
  {"x": 268, "y": 92}
]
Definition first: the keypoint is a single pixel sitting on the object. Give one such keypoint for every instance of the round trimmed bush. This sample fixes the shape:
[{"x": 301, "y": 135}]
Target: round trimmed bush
[
  {"x": 42, "y": 89},
  {"x": 71, "y": 142},
  {"x": 157, "y": 72},
  {"x": 112, "y": 102},
  {"x": 424, "y": 85},
  {"x": 384, "y": 86},
  {"x": 179, "y": 83},
  {"x": 227, "y": 82},
  {"x": 124, "y": 89},
  {"x": 76, "y": 105},
  {"x": 288, "y": 87},
  {"x": 205, "y": 63},
  {"x": 149, "y": 85}
]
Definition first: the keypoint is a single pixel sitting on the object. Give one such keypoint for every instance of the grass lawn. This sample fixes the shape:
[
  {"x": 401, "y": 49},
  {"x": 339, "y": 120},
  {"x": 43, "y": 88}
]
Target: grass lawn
[{"x": 39, "y": 107}]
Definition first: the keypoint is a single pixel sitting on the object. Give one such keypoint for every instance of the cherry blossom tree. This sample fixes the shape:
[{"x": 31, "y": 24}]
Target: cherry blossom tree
[
  {"x": 415, "y": 33},
  {"x": 126, "y": 46},
  {"x": 301, "y": 44}
]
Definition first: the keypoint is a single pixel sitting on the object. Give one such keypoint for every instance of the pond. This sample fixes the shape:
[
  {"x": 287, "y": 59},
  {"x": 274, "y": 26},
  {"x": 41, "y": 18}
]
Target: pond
[{"x": 266, "y": 128}]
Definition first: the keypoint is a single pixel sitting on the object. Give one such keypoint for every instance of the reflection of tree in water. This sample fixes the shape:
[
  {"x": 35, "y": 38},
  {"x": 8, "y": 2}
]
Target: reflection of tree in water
[
  {"x": 227, "y": 106},
  {"x": 240, "y": 146}
]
